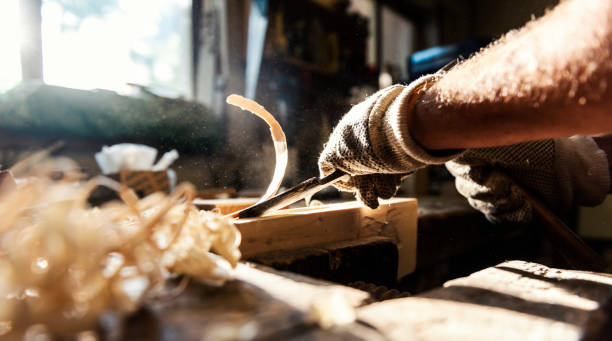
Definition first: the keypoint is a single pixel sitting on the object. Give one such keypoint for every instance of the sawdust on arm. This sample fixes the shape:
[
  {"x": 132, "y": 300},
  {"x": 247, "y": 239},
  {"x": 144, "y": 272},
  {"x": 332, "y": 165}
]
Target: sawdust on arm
[{"x": 552, "y": 78}]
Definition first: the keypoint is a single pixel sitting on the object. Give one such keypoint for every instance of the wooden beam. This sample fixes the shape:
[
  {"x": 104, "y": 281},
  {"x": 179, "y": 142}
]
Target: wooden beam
[{"x": 307, "y": 227}]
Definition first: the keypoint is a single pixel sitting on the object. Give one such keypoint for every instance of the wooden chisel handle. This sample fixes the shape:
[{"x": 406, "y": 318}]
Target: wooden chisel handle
[{"x": 571, "y": 247}]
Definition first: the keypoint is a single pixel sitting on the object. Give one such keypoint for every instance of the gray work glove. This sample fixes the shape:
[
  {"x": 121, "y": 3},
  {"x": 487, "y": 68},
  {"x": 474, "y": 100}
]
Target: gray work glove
[
  {"x": 372, "y": 143},
  {"x": 562, "y": 172}
]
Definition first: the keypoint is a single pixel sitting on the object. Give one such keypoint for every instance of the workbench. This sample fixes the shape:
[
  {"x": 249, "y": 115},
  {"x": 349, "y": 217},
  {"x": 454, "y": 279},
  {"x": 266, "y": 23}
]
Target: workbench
[
  {"x": 510, "y": 301},
  {"x": 453, "y": 240},
  {"x": 500, "y": 300}
]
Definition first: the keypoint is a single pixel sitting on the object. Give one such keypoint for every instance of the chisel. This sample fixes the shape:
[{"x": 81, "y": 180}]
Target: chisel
[{"x": 303, "y": 190}]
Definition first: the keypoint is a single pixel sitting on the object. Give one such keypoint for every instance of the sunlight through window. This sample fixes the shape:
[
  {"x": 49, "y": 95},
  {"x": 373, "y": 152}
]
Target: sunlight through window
[
  {"x": 10, "y": 39},
  {"x": 107, "y": 44}
]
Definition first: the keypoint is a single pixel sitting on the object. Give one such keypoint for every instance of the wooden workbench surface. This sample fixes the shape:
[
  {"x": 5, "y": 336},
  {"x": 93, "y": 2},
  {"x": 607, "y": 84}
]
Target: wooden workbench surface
[
  {"x": 260, "y": 304},
  {"x": 513, "y": 300},
  {"x": 508, "y": 301}
]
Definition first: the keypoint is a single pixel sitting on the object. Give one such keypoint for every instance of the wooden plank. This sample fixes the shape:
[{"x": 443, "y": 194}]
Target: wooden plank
[
  {"x": 307, "y": 227},
  {"x": 513, "y": 300},
  {"x": 260, "y": 304}
]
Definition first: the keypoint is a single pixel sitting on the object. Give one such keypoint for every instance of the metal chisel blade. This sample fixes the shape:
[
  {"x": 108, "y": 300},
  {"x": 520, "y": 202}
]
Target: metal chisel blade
[{"x": 294, "y": 194}]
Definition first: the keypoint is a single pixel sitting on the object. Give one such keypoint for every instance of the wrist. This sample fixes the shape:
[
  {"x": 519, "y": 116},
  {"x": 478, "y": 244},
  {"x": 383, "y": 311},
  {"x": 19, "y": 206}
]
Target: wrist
[
  {"x": 421, "y": 115},
  {"x": 403, "y": 111}
]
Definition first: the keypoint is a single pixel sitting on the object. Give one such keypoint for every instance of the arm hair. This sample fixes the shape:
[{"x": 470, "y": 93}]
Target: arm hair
[{"x": 551, "y": 78}]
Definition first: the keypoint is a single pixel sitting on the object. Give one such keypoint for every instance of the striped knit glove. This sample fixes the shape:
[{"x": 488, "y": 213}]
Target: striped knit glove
[
  {"x": 372, "y": 144},
  {"x": 562, "y": 172}
]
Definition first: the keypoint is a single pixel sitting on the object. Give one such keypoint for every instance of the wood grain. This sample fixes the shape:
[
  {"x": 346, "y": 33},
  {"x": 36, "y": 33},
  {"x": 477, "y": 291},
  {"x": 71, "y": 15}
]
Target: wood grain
[
  {"x": 260, "y": 304},
  {"x": 511, "y": 301},
  {"x": 307, "y": 227}
]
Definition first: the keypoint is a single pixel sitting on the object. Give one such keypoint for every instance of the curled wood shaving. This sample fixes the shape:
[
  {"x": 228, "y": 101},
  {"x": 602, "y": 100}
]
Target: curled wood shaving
[
  {"x": 64, "y": 264},
  {"x": 278, "y": 136}
]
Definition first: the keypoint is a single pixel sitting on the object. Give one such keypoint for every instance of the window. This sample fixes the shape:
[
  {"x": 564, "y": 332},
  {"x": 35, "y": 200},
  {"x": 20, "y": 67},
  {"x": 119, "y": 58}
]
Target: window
[
  {"x": 107, "y": 44},
  {"x": 10, "y": 39}
]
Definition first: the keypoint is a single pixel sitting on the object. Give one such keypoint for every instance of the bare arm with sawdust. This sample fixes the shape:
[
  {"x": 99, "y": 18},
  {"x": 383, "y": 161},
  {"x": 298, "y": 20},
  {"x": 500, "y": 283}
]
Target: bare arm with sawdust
[{"x": 552, "y": 78}]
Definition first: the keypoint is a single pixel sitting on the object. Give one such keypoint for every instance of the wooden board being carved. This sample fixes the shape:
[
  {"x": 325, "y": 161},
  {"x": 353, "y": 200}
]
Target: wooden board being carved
[{"x": 306, "y": 227}]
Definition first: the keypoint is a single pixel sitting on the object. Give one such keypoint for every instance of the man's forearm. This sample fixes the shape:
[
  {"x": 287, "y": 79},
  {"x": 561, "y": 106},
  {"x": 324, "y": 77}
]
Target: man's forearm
[{"x": 552, "y": 78}]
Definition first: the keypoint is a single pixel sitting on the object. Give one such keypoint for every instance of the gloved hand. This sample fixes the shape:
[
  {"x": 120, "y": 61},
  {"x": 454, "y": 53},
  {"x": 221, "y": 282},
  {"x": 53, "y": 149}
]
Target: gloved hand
[
  {"x": 562, "y": 172},
  {"x": 372, "y": 143}
]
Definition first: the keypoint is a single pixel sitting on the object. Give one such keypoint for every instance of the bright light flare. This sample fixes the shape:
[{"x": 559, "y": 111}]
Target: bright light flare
[
  {"x": 10, "y": 40},
  {"x": 137, "y": 41}
]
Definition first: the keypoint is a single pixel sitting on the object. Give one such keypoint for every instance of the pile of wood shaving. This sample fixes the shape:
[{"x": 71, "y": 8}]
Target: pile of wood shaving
[{"x": 64, "y": 263}]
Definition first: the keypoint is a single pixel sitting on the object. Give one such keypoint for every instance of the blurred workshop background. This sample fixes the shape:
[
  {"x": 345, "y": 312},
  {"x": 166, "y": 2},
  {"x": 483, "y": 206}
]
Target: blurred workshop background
[{"x": 93, "y": 73}]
